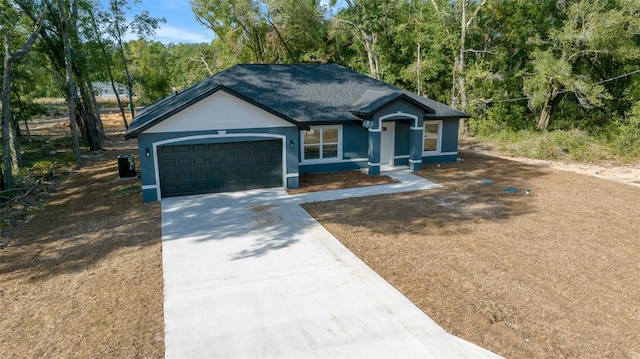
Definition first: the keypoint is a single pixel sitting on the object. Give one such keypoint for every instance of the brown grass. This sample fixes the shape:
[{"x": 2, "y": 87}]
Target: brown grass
[
  {"x": 551, "y": 274},
  {"x": 83, "y": 279}
]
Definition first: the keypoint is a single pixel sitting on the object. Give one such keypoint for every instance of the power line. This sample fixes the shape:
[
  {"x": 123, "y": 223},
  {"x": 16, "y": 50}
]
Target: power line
[{"x": 570, "y": 90}]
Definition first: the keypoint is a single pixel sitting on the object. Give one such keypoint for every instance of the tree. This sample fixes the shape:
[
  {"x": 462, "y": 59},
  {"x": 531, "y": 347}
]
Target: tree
[
  {"x": 566, "y": 62},
  {"x": 143, "y": 25},
  {"x": 107, "y": 61},
  {"x": 369, "y": 23},
  {"x": 71, "y": 89},
  {"x": 7, "y": 130},
  {"x": 267, "y": 31},
  {"x": 52, "y": 47},
  {"x": 149, "y": 61},
  {"x": 239, "y": 24}
]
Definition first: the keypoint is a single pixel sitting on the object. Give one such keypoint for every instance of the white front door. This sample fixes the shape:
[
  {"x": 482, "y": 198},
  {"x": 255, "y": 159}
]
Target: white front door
[{"x": 387, "y": 142}]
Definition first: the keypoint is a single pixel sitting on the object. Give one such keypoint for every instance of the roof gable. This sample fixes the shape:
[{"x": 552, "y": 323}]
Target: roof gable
[
  {"x": 372, "y": 101},
  {"x": 219, "y": 111}
]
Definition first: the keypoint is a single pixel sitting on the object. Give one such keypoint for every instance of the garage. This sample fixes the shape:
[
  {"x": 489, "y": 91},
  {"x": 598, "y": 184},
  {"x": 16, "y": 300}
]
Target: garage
[{"x": 188, "y": 169}]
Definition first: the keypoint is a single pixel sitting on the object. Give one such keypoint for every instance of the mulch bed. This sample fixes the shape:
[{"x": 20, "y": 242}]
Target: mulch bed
[{"x": 312, "y": 182}]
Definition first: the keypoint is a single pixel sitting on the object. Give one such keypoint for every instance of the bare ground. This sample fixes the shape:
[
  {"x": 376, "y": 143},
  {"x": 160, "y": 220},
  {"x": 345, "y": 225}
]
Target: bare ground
[{"x": 550, "y": 274}]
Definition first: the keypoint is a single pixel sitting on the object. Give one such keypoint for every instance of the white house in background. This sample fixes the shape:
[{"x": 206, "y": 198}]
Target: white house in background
[{"x": 104, "y": 90}]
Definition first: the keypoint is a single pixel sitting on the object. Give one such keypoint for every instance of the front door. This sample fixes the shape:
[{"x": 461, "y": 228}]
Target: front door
[{"x": 387, "y": 142}]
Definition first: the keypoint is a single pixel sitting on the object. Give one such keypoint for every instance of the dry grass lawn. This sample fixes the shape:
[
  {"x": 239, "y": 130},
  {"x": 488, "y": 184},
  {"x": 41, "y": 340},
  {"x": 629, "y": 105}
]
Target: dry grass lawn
[
  {"x": 83, "y": 279},
  {"x": 550, "y": 274}
]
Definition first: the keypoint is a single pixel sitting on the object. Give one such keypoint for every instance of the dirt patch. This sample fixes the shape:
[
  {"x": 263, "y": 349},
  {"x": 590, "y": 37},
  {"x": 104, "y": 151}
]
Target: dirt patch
[
  {"x": 628, "y": 173},
  {"x": 548, "y": 274},
  {"x": 84, "y": 277},
  {"x": 313, "y": 182}
]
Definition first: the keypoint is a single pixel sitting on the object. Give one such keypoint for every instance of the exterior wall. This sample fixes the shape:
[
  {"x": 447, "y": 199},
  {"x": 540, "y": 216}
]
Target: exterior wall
[
  {"x": 449, "y": 144},
  {"x": 440, "y": 159},
  {"x": 450, "y": 135},
  {"x": 355, "y": 144},
  {"x": 150, "y": 142},
  {"x": 220, "y": 111}
]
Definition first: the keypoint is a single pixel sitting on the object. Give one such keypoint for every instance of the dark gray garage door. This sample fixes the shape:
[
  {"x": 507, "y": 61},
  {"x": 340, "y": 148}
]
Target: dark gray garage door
[{"x": 219, "y": 167}]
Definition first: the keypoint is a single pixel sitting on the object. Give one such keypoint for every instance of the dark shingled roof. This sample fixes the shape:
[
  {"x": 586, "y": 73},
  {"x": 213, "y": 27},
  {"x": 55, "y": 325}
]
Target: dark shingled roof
[{"x": 303, "y": 94}]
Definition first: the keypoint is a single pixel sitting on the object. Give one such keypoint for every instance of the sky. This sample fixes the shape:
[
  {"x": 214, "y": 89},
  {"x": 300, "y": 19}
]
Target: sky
[{"x": 180, "y": 26}]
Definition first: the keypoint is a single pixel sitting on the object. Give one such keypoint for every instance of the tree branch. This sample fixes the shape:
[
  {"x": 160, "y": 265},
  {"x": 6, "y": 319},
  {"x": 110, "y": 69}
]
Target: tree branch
[
  {"x": 475, "y": 13},
  {"x": 32, "y": 39}
]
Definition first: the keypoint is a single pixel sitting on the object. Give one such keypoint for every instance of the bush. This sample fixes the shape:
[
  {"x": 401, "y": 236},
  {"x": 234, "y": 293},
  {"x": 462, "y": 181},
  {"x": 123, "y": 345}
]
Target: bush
[
  {"x": 498, "y": 118},
  {"x": 623, "y": 135}
]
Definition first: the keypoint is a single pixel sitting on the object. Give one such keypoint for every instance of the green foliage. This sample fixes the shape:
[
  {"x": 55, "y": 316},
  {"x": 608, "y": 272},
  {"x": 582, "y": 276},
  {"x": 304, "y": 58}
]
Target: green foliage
[
  {"x": 149, "y": 61},
  {"x": 624, "y": 134},
  {"x": 572, "y": 60},
  {"x": 499, "y": 118},
  {"x": 572, "y": 145}
]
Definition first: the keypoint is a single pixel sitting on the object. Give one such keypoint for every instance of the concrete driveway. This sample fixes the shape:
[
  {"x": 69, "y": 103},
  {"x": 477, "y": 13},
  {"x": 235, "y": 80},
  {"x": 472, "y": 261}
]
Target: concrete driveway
[{"x": 251, "y": 274}]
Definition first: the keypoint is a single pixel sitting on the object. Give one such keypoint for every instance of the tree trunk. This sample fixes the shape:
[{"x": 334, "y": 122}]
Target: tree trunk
[
  {"x": 8, "y": 145},
  {"x": 369, "y": 42},
  {"x": 87, "y": 114},
  {"x": 6, "y": 114},
  {"x": 107, "y": 61},
  {"x": 460, "y": 62},
  {"x": 70, "y": 85},
  {"x": 549, "y": 107},
  {"x": 16, "y": 158},
  {"x": 460, "y": 93},
  {"x": 126, "y": 69}
]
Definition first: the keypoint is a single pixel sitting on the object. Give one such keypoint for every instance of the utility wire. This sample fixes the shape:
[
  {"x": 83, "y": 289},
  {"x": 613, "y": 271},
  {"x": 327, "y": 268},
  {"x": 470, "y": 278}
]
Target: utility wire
[{"x": 569, "y": 90}]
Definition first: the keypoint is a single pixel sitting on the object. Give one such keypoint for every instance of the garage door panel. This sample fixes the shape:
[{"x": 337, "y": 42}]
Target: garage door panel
[
  {"x": 199, "y": 161},
  {"x": 219, "y": 167},
  {"x": 182, "y": 176}
]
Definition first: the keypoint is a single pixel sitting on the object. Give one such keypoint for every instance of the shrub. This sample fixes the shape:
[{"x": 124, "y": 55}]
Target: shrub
[{"x": 623, "y": 135}]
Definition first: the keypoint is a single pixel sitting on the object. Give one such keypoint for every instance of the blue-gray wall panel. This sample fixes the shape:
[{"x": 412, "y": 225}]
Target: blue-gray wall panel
[
  {"x": 450, "y": 135},
  {"x": 355, "y": 141},
  {"x": 332, "y": 167},
  {"x": 440, "y": 159}
]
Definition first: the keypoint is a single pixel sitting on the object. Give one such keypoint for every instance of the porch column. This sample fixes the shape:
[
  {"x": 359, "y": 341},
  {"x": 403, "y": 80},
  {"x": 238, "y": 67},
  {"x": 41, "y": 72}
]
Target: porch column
[
  {"x": 416, "y": 134},
  {"x": 374, "y": 151}
]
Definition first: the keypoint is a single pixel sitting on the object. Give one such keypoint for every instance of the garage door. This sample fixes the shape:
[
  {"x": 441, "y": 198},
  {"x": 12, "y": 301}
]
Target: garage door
[{"x": 219, "y": 167}]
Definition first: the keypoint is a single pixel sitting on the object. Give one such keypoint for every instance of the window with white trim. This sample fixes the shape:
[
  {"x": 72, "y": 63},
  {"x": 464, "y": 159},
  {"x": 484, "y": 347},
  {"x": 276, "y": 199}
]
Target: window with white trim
[
  {"x": 322, "y": 143},
  {"x": 432, "y": 137}
]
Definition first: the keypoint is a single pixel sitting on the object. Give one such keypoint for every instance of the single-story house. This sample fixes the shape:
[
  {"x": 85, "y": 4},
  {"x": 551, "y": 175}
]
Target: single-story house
[
  {"x": 104, "y": 90},
  {"x": 260, "y": 126}
]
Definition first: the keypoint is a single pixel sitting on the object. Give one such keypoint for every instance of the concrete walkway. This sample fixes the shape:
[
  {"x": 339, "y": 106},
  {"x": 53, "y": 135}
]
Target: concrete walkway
[{"x": 251, "y": 274}]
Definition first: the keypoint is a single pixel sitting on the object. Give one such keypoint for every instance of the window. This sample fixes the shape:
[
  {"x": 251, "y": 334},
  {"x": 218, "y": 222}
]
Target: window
[
  {"x": 432, "y": 137},
  {"x": 321, "y": 143}
]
